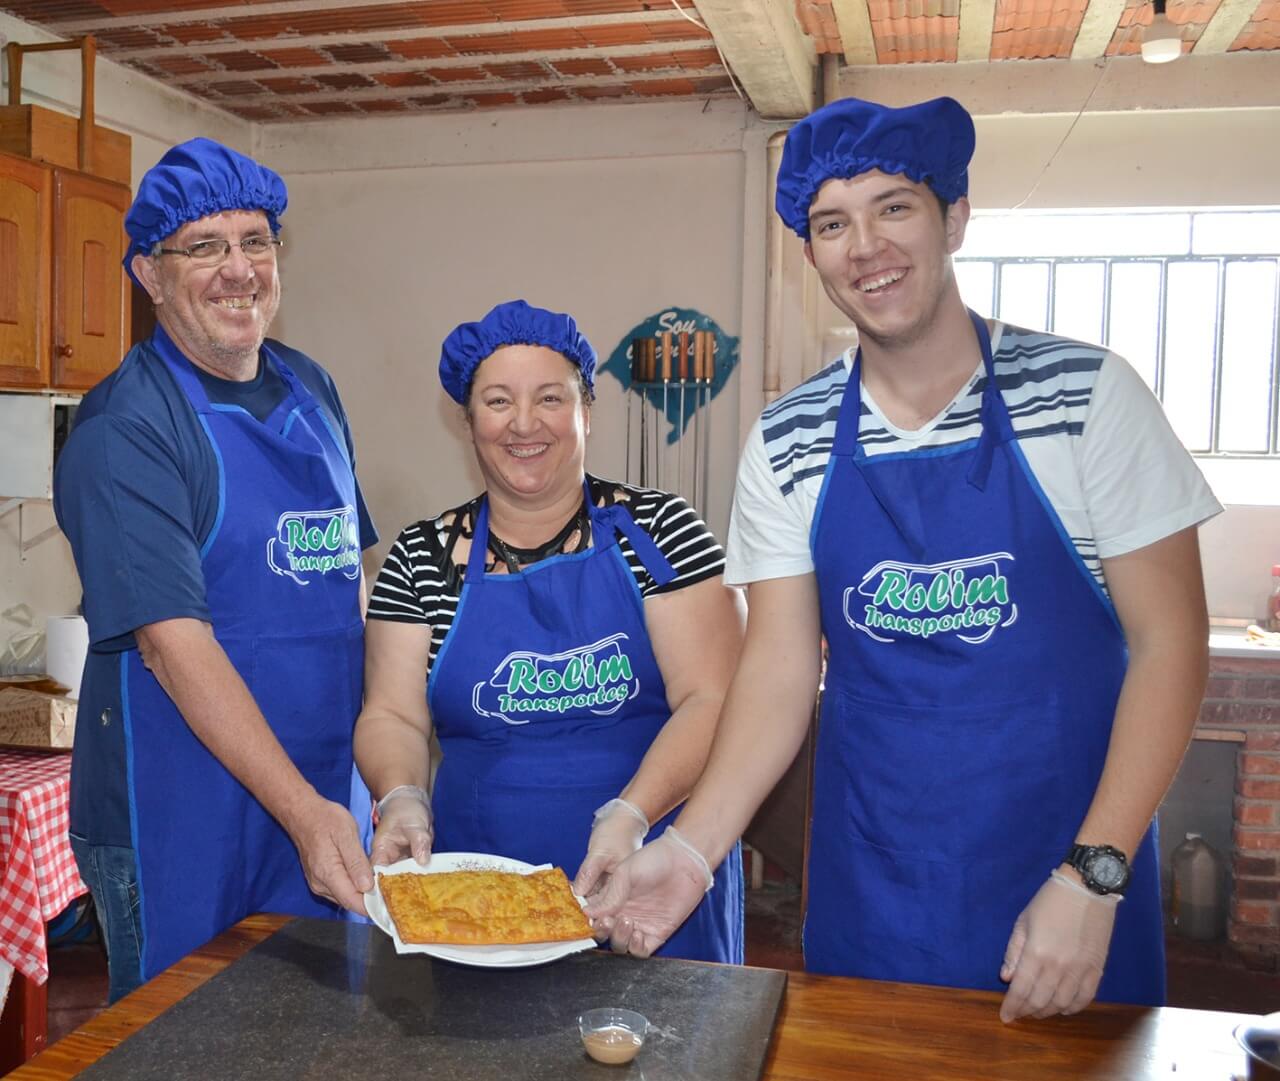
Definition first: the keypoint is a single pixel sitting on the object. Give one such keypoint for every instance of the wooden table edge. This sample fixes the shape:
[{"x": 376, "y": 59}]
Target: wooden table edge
[
  {"x": 798, "y": 1012},
  {"x": 95, "y": 1038}
]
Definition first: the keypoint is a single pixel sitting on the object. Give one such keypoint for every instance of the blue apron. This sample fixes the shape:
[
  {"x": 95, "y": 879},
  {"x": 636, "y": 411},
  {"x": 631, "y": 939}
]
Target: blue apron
[
  {"x": 545, "y": 697},
  {"x": 974, "y": 669},
  {"x": 282, "y": 579}
]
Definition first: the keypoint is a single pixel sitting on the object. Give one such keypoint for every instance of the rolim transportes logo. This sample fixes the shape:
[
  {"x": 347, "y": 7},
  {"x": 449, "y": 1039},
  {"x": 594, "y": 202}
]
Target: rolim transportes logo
[
  {"x": 312, "y": 543},
  {"x": 966, "y": 598},
  {"x": 597, "y": 679}
]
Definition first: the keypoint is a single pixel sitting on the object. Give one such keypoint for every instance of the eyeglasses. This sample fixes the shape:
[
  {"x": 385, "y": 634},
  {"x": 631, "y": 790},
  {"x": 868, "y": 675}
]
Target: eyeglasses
[{"x": 257, "y": 249}]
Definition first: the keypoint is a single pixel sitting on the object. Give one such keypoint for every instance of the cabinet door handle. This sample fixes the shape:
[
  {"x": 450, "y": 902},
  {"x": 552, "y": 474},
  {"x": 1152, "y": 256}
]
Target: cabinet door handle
[{"x": 64, "y": 350}]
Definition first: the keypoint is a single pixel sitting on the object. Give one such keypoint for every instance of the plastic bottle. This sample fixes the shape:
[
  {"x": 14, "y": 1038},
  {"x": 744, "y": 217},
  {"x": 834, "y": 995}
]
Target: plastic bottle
[
  {"x": 1273, "y": 601},
  {"x": 1199, "y": 890}
]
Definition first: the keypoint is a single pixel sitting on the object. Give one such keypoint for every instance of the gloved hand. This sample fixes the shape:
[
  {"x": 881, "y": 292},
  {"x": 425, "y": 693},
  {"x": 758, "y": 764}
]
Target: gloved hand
[
  {"x": 404, "y": 826},
  {"x": 650, "y": 895},
  {"x": 1056, "y": 953},
  {"x": 617, "y": 830}
]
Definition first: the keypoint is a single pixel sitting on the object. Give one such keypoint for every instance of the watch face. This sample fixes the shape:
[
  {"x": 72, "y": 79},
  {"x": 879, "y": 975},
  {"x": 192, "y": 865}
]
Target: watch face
[{"x": 1107, "y": 871}]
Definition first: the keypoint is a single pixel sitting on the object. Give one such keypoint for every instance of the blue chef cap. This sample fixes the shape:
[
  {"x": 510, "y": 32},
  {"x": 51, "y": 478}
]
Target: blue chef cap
[
  {"x": 197, "y": 178},
  {"x": 512, "y": 323},
  {"x": 931, "y": 143}
]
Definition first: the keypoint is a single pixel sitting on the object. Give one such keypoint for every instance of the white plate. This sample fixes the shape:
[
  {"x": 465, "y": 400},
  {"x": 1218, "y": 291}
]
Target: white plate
[{"x": 532, "y": 953}]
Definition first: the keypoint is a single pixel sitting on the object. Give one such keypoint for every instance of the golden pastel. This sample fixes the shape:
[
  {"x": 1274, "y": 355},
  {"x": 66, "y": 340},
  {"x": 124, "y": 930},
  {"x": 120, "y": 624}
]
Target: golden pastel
[{"x": 484, "y": 908}]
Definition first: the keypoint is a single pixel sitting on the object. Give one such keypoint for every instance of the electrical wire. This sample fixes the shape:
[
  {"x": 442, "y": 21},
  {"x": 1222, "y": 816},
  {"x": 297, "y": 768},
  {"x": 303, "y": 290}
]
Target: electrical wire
[
  {"x": 727, "y": 70},
  {"x": 1102, "y": 70}
]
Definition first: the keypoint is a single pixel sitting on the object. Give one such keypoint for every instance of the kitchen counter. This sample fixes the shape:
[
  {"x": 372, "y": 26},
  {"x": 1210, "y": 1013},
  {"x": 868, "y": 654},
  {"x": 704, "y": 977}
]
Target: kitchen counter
[
  {"x": 1230, "y": 642},
  {"x": 827, "y": 1028}
]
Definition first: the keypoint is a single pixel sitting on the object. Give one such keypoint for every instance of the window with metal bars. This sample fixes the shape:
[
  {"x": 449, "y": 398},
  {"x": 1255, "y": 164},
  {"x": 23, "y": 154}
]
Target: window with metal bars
[{"x": 1190, "y": 298}]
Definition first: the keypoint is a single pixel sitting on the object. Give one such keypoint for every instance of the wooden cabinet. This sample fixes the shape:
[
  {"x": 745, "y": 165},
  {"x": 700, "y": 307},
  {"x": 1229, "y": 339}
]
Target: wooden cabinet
[
  {"x": 90, "y": 289},
  {"x": 26, "y": 211},
  {"x": 63, "y": 292}
]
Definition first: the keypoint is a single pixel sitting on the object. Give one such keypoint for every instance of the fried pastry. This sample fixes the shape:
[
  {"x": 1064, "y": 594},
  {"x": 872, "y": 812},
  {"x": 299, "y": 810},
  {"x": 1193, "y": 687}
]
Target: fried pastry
[{"x": 484, "y": 908}]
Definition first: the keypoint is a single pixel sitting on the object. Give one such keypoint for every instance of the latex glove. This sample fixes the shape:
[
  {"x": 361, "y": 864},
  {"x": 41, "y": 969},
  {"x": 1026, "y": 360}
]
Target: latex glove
[
  {"x": 650, "y": 894},
  {"x": 331, "y": 853},
  {"x": 404, "y": 826},
  {"x": 617, "y": 830},
  {"x": 1056, "y": 953}
]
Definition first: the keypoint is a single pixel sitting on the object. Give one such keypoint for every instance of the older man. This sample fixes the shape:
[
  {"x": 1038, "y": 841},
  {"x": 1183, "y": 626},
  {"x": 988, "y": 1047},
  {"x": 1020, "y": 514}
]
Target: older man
[
  {"x": 209, "y": 494},
  {"x": 994, "y": 530}
]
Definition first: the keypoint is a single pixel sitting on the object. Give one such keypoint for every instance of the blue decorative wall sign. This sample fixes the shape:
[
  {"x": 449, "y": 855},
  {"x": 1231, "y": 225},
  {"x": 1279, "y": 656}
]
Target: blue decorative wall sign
[{"x": 678, "y": 407}]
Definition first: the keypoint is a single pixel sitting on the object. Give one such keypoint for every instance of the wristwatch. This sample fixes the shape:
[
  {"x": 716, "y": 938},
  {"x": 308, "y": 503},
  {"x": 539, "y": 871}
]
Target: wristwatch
[{"x": 1103, "y": 869}]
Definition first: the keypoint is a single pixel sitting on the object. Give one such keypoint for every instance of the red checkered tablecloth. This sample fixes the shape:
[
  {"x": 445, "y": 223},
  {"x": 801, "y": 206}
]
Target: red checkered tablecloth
[{"x": 38, "y": 876}]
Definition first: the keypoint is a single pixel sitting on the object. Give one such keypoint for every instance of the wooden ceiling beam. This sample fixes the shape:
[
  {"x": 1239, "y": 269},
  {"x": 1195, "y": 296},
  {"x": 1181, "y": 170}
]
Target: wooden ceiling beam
[
  {"x": 856, "y": 36},
  {"x": 231, "y": 12},
  {"x": 410, "y": 33},
  {"x": 1097, "y": 28},
  {"x": 1225, "y": 26},
  {"x": 977, "y": 17},
  {"x": 767, "y": 51},
  {"x": 473, "y": 60},
  {"x": 477, "y": 86}
]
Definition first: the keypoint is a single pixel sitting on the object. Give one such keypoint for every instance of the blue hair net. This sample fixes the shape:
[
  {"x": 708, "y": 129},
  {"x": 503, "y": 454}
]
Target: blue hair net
[
  {"x": 194, "y": 179},
  {"x": 511, "y": 323},
  {"x": 930, "y": 143}
]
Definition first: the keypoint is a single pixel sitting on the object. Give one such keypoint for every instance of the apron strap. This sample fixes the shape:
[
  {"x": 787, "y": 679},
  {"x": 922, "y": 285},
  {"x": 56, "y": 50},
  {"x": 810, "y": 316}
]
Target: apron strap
[
  {"x": 615, "y": 517},
  {"x": 297, "y": 402},
  {"x": 606, "y": 523},
  {"x": 906, "y": 513},
  {"x": 997, "y": 428}
]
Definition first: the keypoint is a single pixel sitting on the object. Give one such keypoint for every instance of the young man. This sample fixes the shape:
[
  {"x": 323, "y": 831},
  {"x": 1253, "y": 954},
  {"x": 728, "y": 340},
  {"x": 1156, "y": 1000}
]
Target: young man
[
  {"x": 994, "y": 530},
  {"x": 210, "y": 498}
]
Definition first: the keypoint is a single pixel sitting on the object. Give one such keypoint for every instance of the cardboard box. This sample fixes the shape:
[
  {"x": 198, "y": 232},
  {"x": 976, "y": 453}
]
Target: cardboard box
[{"x": 29, "y": 719}]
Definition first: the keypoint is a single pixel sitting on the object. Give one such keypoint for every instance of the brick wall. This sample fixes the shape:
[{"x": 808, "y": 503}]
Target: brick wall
[{"x": 1242, "y": 702}]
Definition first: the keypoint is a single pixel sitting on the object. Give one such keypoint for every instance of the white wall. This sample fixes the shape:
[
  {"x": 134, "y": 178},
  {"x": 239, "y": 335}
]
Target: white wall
[
  {"x": 1194, "y": 157},
  {"x": 608, "y": 212},
  {"x": 155, "y": 118},
  {"x": 400, "y": 227}
]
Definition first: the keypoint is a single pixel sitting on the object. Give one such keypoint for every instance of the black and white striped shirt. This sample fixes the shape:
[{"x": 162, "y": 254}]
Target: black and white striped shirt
[{"x": 421, "y": 579}]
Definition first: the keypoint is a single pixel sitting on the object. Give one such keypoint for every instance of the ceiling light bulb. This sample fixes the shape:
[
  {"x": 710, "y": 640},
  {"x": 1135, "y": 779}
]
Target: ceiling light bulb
[{"x": 1162, "y": 40}]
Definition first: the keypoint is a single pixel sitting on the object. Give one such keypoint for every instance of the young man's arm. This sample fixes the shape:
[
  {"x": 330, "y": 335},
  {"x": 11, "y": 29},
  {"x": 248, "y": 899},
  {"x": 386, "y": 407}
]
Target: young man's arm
[
  {"x": 766, "y": 715},
  {"x": 1060, "y": 942}
]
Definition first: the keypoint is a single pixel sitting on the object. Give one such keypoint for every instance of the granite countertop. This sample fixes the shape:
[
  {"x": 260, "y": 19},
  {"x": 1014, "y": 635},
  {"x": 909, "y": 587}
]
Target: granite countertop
[{"x": 330, "y": 999}]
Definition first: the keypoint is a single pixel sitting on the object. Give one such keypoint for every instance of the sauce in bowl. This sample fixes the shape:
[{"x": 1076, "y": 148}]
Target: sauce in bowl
[{"x": 613, "y": 1045}]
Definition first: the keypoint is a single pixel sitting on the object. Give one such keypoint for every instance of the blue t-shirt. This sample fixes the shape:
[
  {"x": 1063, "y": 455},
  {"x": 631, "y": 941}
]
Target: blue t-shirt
[{"x": 136, "y": 493}]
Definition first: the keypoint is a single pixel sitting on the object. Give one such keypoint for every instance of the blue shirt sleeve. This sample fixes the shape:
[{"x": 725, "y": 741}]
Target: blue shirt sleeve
[{"x": 121, "y": 499}]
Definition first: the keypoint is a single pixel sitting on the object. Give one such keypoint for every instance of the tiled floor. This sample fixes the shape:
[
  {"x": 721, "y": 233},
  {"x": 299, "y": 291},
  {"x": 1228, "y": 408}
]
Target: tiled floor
[{"x": 1201, "y": 975}]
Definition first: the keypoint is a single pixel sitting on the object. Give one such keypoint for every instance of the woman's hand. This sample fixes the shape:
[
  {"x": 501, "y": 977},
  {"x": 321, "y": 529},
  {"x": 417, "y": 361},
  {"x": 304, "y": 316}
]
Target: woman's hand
[
  {"x": 617, "y": 830},
  {"x": 404, "y": 826}
]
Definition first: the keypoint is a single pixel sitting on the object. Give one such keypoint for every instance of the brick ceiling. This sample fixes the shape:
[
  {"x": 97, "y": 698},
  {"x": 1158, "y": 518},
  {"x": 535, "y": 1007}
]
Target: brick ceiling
[{"x": 284, "y": 60}]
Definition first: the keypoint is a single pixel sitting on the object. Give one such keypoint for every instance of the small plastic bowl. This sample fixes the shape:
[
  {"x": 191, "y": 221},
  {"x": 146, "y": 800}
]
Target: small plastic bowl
[
  {"x": 1261, "y": 1041},
  {"x": 613, "y": 1035}
]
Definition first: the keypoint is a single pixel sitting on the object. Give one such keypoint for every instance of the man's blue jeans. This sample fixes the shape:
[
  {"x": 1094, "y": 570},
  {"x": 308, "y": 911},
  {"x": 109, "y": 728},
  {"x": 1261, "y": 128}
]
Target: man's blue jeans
[{"x": 111, "y": 874}]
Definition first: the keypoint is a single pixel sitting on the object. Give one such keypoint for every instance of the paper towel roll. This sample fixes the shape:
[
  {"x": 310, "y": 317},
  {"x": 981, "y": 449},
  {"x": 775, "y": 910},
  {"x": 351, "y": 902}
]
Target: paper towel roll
[{"x": 66, "y": 641}]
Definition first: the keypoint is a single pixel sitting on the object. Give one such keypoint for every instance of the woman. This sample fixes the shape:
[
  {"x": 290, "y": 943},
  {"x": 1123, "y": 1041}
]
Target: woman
[{"x": 576, "y": 635}]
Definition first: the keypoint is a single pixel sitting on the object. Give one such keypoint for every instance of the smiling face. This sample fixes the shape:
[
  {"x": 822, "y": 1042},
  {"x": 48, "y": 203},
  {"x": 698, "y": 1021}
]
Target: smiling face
[
  {"x": 529, "y": 424},
  {"x": 883, "y": 251},
  {"x": 217, "y": 315}
]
